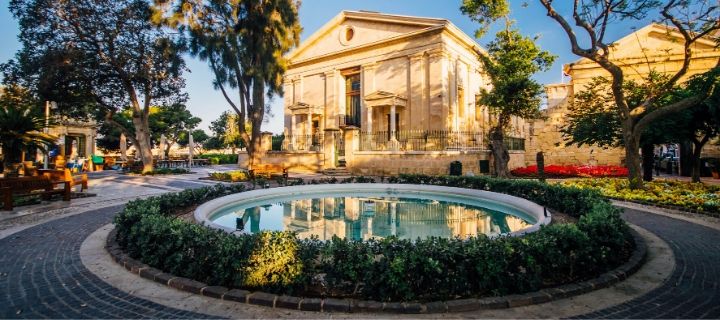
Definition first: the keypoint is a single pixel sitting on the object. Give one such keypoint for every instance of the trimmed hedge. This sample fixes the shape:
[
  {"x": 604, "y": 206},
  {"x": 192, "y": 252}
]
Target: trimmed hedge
[
  {"x": 220, "y": 158},
  {"x": 386, "y": 269}
]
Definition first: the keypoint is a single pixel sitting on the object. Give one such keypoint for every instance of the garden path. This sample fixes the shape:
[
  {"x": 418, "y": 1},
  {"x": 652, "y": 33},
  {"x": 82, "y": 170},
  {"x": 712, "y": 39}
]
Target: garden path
[{"x": 42, "y": 275}]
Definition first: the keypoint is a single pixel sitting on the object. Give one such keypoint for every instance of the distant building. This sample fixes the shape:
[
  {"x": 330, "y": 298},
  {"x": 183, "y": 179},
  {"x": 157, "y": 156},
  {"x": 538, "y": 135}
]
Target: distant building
[
  {"x": 654, "y": 47},
  {"x": 406, "y": 86}
]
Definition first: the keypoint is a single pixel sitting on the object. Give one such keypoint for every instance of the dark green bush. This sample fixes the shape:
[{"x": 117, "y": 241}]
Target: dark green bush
[
  {"x": 219, "y": 158},
  {"x": 388, "y": 269}
]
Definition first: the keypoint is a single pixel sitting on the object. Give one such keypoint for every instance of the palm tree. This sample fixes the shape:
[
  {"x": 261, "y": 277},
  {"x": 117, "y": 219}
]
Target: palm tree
[{"x": 20, "y": 129}]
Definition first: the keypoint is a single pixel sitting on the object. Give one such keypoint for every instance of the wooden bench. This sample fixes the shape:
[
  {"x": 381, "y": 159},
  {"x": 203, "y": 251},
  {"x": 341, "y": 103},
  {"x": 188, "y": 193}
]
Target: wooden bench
[
  {"x": 66, "y": 175},
  {"x": 267, "y": 171},
  {"x": 31, "y": 186}
]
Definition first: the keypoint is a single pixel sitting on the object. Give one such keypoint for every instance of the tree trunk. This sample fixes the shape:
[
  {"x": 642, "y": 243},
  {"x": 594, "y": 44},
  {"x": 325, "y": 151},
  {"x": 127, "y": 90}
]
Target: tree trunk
[
  {"x": 501, "y": 157},
  {"x": 142, "y": 135},
  {"x": 648, "y": 161},
  {"x": 686, "y": 158},
  {"x": 632, "y": 160},
  {"x": 696, "y": 154},
  {"x": 254, "y": 148}
]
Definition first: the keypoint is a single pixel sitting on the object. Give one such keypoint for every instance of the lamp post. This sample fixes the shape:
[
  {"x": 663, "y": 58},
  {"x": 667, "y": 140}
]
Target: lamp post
[{"x": 48, "y": 106}]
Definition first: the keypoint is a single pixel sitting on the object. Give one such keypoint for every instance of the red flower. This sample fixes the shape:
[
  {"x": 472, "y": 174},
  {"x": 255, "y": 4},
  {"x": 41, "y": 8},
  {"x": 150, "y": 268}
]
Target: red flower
[{"x": 567, "y": 171}]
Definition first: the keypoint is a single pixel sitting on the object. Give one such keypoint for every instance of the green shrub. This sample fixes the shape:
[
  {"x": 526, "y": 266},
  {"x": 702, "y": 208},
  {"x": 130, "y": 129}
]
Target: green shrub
[
  {"x": 389, "y": 269},
  {"x": 220, "y": 158},
  {"x": 231, "y": 176}
]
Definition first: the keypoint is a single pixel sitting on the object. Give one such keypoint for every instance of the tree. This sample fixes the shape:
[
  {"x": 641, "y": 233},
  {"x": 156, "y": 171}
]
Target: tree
[
  {"x": 244, "y": 43},
  {"x": 593, "y": 117},
  {"x": 21, "y": 126},
  {"x": 104, "y": 51},
  {"x": 511, "y": 61},
  {"x": 692, "y": 20},
  {"x": 171, "y": 121},
  {"x": 199, "y": 137},
  {"x": 225, "y": 130}
]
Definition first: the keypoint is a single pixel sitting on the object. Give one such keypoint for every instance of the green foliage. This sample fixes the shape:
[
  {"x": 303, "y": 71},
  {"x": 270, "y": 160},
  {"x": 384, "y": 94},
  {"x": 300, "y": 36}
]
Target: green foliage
[
  {"x": 390, "y": 269},
  {"x": 171, "y": 121},
  {"x": 485, "y": 12},
  {"x": 21, "y": 125},
  {"x": 219, "y": 158},
  {"x": 230, "y": 176},
  {"x": 117, "y": 59},
  {"x": 511, "y": 62},
  {"x": 244, "y": 43}
]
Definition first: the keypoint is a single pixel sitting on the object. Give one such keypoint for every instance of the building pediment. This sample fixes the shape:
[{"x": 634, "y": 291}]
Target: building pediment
[
  {"x": 305, "y": 108},
  {"x": 384, "y": 98},
  {"x": 351, "y": 29}
]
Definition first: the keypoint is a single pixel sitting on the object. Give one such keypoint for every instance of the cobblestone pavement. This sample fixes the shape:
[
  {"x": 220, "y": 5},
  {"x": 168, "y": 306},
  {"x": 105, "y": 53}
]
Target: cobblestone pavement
[
  {"x": 693, "y": 289},
  {"x": 42, "y": 276}
]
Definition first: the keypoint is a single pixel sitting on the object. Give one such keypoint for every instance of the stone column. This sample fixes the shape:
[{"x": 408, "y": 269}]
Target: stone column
[
  {"x": 352, "y": 144},
  {"x": 329, "y": 148},
  {"x": 369, "y": 118},
  {"x": 266, "y": 141},
  {"x": 394, "y": 145},
  {"x": 308, "y": 130},
  {"x": 293, "y": 132}
]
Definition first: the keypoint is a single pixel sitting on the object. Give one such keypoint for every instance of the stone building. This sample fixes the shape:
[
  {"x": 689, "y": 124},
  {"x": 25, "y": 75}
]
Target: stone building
[
  {"x": 654, "y": 47},
  {"x": 394, "y": 94}
]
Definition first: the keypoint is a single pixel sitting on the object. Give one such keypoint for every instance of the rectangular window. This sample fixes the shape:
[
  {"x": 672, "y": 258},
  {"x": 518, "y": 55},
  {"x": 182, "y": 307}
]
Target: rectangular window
[
  {"x": 478, "y": 109},
  {"x": 352, "y": 99}
]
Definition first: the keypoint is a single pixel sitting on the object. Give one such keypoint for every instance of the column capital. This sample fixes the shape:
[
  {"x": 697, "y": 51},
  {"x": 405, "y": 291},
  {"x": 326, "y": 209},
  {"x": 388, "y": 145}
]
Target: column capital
[
  {"x": 370, "y": 66},
  {"x": 439, "y": 53},
  {"x": 416, "y": 56},
  {"x": 329, "y": 73}
]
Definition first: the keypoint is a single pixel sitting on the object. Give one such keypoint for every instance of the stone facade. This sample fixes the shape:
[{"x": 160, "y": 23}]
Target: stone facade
[
  {"x": 652, "y": 47},
  {"x": 388, "y": 75}
]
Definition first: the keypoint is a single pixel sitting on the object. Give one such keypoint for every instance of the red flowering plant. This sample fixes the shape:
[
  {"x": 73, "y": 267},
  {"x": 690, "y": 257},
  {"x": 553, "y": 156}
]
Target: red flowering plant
[{"x": 570, "y": 171}]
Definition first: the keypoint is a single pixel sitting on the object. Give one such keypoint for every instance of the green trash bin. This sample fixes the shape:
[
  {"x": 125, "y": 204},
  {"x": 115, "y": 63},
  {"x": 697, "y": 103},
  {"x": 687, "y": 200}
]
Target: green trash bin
[
  {"x": 455, "y": 168},
  {"x": 484, "y": 166}
]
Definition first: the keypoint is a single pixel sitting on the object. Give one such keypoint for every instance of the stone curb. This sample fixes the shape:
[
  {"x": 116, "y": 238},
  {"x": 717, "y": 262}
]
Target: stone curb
[{"x": 637, "y": 259}]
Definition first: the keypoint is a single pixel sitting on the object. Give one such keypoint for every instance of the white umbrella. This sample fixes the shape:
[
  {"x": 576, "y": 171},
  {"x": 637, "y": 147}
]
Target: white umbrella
[
  {"x": 163, "y": 141},
  {"x": 123, "y": 147},
  {"x": 191, "y": 146}
]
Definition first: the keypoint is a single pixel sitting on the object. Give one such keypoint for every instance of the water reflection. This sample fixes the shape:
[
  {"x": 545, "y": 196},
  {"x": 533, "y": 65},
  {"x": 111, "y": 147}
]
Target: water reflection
[{"x": 374, "y": 217}]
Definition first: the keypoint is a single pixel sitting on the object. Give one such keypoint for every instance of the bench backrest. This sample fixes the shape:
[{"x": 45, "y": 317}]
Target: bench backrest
[
  {"x": 58, "y": 174},
  {"x": 26, "y": 183}
]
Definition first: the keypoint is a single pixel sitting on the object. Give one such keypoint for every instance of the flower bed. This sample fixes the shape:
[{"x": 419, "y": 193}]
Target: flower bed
[
  {"x": 684, "y": 195},
  {"x": 555, "y": 171},
  {"x": 229, "y": 176},
  {"x": 388, "y": 269}
]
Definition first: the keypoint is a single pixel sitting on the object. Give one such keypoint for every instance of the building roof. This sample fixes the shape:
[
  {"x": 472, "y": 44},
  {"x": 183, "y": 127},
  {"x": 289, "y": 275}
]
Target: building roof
[{"x": 421, "y": 25}]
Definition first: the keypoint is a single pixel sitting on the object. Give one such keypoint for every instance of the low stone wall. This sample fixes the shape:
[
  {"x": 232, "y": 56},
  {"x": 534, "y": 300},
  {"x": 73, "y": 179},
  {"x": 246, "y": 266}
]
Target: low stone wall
[
  {"x": 295, "y": 162},
  {"x": 432, "y": 163}
]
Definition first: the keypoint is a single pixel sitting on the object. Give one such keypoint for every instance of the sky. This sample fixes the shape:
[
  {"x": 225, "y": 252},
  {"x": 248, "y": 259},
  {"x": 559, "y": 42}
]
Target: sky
[{"x": 529, "y": 16}]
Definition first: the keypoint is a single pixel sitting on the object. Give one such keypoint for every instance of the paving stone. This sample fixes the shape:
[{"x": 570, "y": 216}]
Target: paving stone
[
  {"x": 236, "y": 295},
  {"x": 164, "y": 278},
  {"x": 336, "y": 305},
  {"x": 149, "y": 273},
  {"x": 393, "y": 307},
  {"x": 492, "y": 303},
  {"x": 288, "y": 302},
  {"x": 413, "y": 307},
  {"x": 436, "y": 307},
  {"x": 262, "y": 299},
  {"x": 214, "y": 291},
  {"x": 68, "y": 289},
  {"x": 311, "y": 304},
  {"x": 367, "y": 306},
  {"x": 461, "y": 305}
]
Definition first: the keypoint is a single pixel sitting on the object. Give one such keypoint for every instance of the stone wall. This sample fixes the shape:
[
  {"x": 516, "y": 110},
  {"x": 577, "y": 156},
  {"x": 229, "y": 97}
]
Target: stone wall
[
  {"x": 295, "y": 162},
  {"x": 432, "y": 163}
]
